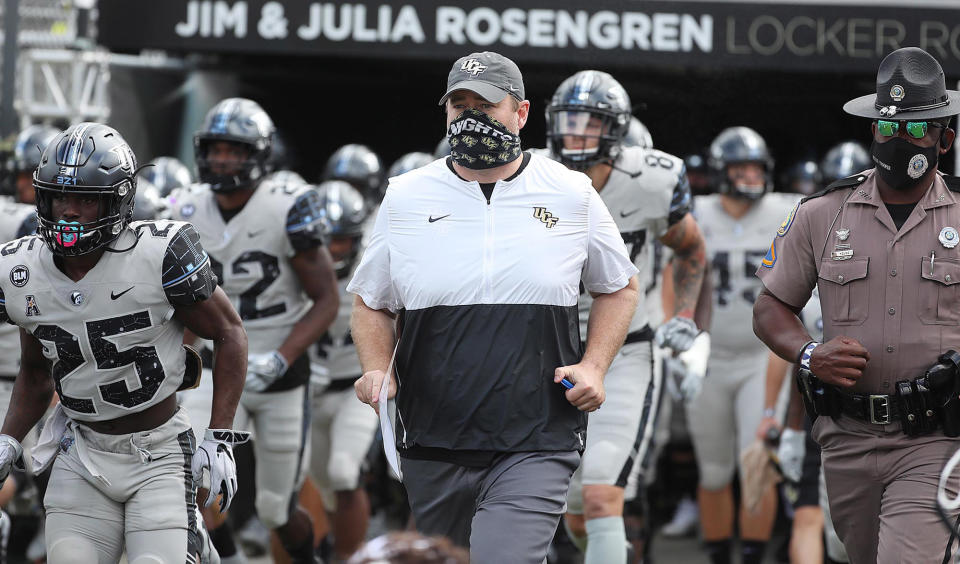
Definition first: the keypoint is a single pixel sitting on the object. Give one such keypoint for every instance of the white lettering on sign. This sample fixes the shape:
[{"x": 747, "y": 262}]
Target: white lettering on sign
[
  {"x": 558, "y": 28},
  {"x": 207, "y": 18},
  {"x": 353, "y": 22}
]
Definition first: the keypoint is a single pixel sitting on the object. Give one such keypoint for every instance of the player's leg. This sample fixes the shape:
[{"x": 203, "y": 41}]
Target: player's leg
[
  {"x": 806, "y": 540},
  {"x": 624, "y": 431},
  {"x": 352, "y": 433},
  {"x": 83, "y": 525},
  {"x": 712, "y": 425},
  {"x": 755, "y": 526},
  {"x": 520, "y": 502},
  {"x": 197, "y": 403},
  {"x": 282, "y": 425}
]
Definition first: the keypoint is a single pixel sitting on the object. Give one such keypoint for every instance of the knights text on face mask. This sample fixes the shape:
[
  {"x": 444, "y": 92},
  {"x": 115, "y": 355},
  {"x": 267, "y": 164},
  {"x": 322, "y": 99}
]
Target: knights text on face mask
[{"x": 470, "y": 124}]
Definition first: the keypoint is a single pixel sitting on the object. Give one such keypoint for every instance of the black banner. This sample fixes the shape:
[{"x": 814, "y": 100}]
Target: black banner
[{"x": 601, "y": 32}]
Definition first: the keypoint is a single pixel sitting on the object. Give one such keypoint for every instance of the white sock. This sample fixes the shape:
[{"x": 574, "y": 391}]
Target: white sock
[{"x": 606, "y": 541}]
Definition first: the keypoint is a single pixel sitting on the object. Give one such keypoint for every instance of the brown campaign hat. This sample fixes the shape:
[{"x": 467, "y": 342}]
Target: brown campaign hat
[
  {"x": 489, "y": 74},
  {"x": 910, "y": 86}
]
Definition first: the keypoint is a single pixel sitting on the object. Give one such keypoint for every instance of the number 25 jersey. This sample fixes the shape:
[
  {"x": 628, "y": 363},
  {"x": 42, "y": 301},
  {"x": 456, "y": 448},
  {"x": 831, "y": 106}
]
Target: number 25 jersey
[
  {"x": 111, "y": 338},
  {"x": 251, "y": 252}
]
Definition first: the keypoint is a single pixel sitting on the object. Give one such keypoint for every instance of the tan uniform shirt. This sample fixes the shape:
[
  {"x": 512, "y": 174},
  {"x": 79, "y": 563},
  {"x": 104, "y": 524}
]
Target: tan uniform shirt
[{"x": 896, "y": 292}]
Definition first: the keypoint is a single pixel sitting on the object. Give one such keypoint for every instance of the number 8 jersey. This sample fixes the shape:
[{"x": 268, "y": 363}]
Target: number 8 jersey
[
  {"x": 111, "y": 339},
  {"x": 251, "y": 252}
]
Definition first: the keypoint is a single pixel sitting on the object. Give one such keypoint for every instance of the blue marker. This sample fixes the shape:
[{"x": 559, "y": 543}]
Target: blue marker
[{"x": 566, "y": 383}]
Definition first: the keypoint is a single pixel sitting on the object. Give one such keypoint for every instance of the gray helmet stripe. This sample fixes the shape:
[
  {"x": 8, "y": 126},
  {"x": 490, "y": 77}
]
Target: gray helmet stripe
[{"x": 75, "y": 147}]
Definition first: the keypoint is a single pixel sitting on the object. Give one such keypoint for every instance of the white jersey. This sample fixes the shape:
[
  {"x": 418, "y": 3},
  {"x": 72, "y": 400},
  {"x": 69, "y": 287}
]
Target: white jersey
[
  {"x": 251, "y": 252},
  {"x": 335, "y": 350},
  {"x": 735, "y": 248},
  {"x": 812, "y": 316},
  {"x": 18, "y": 220},
  {"x": 113, "y": 343},
  {"x": 646, "y": 193}
]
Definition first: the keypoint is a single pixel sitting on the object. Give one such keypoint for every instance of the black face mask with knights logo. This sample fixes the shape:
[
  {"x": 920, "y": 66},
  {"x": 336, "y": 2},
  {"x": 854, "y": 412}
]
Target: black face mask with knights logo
[{"x": 478, "y": 141}]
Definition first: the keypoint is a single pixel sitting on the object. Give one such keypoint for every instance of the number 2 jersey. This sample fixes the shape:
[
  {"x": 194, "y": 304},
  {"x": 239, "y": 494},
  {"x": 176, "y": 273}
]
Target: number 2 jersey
[
  {"x": 251, "y": 252},
  {"x": 647, "y": 193},
  {"x": 735, "y": 248},
  {"x": 18, "y": 220},
  {"x": 111, "y": 338}
]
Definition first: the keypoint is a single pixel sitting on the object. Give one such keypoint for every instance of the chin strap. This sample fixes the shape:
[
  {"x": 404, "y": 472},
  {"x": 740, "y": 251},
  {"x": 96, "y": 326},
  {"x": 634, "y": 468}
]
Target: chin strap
[{"x": 130, "y": 248}]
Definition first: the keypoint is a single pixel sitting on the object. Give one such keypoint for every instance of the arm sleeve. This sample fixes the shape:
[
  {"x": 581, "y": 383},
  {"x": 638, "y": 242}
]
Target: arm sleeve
[
  {"x": 187, "y": 277},
  {"x": 681, "y": 203},
  {"x": 372, "y": 280},
  {"x": 789, "y": 271},
  {"x": 608, "y": 267},
  {"x": 305, "y": 226}
]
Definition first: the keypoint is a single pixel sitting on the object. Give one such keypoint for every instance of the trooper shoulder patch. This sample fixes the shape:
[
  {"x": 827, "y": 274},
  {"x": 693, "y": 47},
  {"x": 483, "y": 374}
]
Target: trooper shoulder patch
[
  {"x": 848, "y": 182},
  {"x": 785, "y": 226}
]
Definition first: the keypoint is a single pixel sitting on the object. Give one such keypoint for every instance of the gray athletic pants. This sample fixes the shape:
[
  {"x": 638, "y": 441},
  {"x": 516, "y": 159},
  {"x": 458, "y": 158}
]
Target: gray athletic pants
[{"x": 505, "y": 513}]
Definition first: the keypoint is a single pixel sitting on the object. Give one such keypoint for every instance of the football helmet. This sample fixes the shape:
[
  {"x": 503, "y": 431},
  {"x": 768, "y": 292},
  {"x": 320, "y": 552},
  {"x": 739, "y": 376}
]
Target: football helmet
[
  {"x": 29, "y": 146},
  {"x": 740, "y": 145},
  {"x": 843, "y": 160},
  {"x": 235, "y": 120},
  {"x": 345, "y": 210},
  {"x": 803, "y": 177},
  {"x": 167, "y": 173},
  {"x": 93, "y": 160},
  {"x": 588, "y": 105},
  {"x": 359, "y": 166},
  {"x": 408, "y": 162},
  {"x": 638, "y": 135}
]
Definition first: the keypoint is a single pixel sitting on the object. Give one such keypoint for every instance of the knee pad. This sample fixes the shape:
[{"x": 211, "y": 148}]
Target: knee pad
[
  {"x": 72, "y": 550},
  {"x": 343, "y": 472},
  {"x": 273, "y": 509},
  {"x": 715, "y": 476}
]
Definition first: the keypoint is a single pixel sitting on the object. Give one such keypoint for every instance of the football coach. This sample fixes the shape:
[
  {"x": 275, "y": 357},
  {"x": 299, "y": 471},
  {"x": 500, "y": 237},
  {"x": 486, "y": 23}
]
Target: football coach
[{"x": 485, "y": 252}]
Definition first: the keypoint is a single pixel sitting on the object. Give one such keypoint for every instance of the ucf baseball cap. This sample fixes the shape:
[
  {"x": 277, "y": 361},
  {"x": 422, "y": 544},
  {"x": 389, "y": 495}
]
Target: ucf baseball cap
[{"x": 489, "y": 74}]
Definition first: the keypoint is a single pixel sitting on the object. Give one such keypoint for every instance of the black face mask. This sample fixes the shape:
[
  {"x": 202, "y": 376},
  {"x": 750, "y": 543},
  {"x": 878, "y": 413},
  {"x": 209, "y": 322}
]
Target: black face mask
[
  {"x": 478, "y": 141},
  {"x": 901, "y": 164}
]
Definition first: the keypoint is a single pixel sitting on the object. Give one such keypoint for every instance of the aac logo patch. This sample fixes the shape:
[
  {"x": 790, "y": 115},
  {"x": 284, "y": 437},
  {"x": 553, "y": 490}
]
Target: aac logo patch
[
  {"x": 785, "y": 226},
  {"x": 32, "y": 308},
  {"x": 19, "y": 276}
]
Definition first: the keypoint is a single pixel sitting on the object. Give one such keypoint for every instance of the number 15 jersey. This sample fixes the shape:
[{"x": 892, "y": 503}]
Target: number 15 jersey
[
  {"x": 251, "y": 252},
  {"x": 111, "y": 338}
]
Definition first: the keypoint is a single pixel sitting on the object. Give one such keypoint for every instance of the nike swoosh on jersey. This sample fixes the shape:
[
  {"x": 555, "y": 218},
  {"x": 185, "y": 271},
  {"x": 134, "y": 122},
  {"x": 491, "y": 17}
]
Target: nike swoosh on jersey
[
  {"x": 629, "y": 214},
  {"x": 431, "y": 219},
  {"x": 114, "y": 295},
  {"x": 252, "y": 234}
]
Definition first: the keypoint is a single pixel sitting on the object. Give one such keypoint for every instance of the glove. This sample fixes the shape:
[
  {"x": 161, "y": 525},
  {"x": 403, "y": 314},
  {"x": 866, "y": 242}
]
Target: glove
[
  {"x": 677, "y": 333},
  {"x": 11, "y": 456},
  {"x": 694, "y": 367},
  {"x": 263, "y": 370},
  {"x": 213, "y": 465},
  {"x": 793, "y": 447}
]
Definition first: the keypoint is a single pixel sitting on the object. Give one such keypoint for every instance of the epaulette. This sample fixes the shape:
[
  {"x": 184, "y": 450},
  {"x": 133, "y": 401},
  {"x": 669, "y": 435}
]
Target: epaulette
[
  {"x": 848, "y": 182},
  {"x": 952, "y": 182}
]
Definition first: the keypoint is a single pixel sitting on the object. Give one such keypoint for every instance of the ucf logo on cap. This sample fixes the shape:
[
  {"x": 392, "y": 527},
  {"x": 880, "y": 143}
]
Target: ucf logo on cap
[{"x": 473, "y": 67}]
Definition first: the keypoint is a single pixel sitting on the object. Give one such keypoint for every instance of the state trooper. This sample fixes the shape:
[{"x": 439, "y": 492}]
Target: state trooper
[{"x": 881, "y": 247}]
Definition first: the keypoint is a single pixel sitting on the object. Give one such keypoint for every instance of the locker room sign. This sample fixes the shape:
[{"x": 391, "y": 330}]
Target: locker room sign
[{"x": 607, "y": 32}]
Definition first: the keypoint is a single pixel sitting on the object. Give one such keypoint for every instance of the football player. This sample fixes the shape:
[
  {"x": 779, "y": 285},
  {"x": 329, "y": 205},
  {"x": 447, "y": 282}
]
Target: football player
[
  {"x": 843, "y": 160},
  {"x": 647, "y": 193},
  {"x": 265, "y": 239},
  {"x": 724, "y": 419},
  {"x": 343, "y": 427},
  {"x": 167, "y": 173},
  {"x": 102, "y": 304},
  {"x": 359, "y": 166}
]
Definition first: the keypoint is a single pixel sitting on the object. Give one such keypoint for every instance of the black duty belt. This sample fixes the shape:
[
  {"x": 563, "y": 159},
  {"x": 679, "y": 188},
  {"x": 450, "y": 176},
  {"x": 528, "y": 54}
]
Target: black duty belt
[{"x": 879, "y": 409}]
